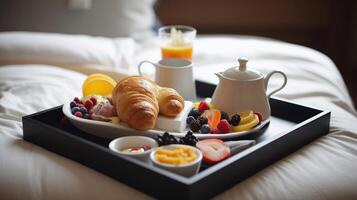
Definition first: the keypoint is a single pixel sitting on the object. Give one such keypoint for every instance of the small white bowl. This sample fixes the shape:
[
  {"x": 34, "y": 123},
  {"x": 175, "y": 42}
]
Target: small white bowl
[
  {"x": 133, "y": 141},
  {"x": 187, "y": 170}
]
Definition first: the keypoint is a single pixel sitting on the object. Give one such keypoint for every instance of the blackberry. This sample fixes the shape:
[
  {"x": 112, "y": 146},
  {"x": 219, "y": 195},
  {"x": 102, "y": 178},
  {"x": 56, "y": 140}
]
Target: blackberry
[
  {"x": 189, "y": 120},
  {"x": 166, "y": 139},
  {"x": 235, "y": 119},
  {"x": 224, "y": 115},
  {"x": 202, "y": 120},
  {"x": 73, "y": 104},
  {"x": 195, "y": 126},
  {"x": 195, "y": 113},
  {"x": 189, "y": 139}
]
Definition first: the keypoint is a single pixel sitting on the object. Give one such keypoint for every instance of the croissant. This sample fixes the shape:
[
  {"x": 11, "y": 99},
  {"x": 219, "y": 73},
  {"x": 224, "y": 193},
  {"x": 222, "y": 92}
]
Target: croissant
[
  {"x": 139, "y": 100},
  {"x": 170, "y": 102},
  {"x": 135, "y": 101}
]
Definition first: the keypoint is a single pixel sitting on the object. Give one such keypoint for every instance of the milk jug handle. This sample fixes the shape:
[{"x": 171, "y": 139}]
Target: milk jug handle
[
  {"x": 140, "y": 65},
  {"x": 266, "y": 79}
]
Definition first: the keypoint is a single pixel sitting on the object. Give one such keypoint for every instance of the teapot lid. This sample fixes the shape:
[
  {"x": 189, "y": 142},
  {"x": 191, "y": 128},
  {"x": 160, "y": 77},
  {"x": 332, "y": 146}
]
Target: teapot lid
[{"x": 241, "y": 73}]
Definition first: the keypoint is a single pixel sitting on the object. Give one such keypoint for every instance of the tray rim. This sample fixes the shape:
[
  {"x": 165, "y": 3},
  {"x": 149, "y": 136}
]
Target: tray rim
[{"x": 203, "y": 174}]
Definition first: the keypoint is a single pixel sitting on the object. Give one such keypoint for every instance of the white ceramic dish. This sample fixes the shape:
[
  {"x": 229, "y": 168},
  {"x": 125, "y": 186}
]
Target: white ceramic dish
[
  {"x": 189, "y": 169},
  {"x": 133, "y": 141},
  {"x": 110, "y": 130}
]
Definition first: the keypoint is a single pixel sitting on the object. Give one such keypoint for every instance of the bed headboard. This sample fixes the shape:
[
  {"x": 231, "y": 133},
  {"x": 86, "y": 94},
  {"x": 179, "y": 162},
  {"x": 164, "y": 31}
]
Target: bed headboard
[{"x": 110, "y": 18}]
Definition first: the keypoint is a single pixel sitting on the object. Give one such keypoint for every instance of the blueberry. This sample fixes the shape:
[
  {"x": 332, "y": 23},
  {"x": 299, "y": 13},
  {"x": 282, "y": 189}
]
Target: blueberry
[
  {"x": 224, "y": 115},
  {"x": 205, "y": 129},
  {"x": 72, "y": 104},
  {"x": 83, "y": 110},
  {"x": 86, "y": 116},
  {"x": 189, "y": 120},
  {"x": 75, "y": 109}
]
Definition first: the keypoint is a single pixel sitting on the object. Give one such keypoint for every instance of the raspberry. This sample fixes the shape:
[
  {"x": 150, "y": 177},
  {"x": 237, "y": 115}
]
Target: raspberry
[
  {"x": 223, "y": 126},
  {"x": 203, "y": 106},
  {"x": 78, "y": 114},
  {"x": 215, "y": 131},
  {"x": 94, "y": 100},
  {"x": 76, "y": 99},
  {"x": 88, "y": 104},
  {"x": 260, "y": 116}
]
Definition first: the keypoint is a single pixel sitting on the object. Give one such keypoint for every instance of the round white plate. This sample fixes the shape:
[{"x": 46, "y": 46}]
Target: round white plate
[{"x": 110, "y": 130}]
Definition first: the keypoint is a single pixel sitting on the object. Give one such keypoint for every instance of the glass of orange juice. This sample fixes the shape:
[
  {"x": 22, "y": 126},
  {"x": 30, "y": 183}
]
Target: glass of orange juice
[{"x": 177, "y": 41}]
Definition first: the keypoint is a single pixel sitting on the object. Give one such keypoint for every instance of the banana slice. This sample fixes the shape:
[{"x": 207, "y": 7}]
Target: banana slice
[
  {"x": 246, "y": 117},
  {"x": 247, "y": 126}
]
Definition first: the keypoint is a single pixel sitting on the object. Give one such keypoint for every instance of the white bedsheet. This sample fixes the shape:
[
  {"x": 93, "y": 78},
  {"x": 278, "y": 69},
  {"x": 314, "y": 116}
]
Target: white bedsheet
[{"x": 323, "y": 169}]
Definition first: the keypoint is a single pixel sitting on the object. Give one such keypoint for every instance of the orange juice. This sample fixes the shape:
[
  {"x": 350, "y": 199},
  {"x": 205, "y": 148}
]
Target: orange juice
[{"x": 184, "y": 52}]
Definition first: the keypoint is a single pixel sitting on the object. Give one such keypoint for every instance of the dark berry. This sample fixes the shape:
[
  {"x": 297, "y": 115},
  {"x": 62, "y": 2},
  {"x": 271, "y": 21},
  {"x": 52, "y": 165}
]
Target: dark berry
[
  {"x": 78, "y": 114},
  {"x": 88, "y": 104},
  {"x": 83, "y": 110},
  {"x": 188, "y": 139},
  {"x": 202, "y": 120},
  {"x": 205, "y": 129},
  {"x": 195, "y": 113},
  {"x": 195, "y": 126},
  {"x": 203, "y": 106},
  {"x": 86, "y": 116},
  {"x": 72, "y": 104},
  {"x": 166, "y": 139},
  {"x": 223, "y": 126},
  {"x": 235, "y": 119},
  {"x": 189, "y": 120},
  {"x": 94, "y": 100},
  {"x": 75, "y": 109},
  {"x": 76, "y": 99},
  {"x": 224, "y": 115}
]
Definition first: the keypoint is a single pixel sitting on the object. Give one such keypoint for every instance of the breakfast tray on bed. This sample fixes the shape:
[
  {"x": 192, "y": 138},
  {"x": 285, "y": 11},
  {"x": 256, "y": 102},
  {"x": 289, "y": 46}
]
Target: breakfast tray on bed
[{"x": 291, "y": 126}]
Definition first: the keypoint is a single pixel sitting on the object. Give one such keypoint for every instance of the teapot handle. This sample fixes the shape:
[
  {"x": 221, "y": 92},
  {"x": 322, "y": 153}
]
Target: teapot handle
[{"x": 267, "y": 81}]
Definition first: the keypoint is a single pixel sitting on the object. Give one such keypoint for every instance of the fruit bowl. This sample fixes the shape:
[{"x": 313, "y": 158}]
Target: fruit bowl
[{"x": 111, "y": 130}]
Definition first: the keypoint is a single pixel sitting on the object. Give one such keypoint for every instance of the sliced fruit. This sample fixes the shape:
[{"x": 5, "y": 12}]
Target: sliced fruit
[
  {"x": 246, "y": 117},
  {"x": 95, "y": 76},
  {"x": 213, "y": 116},
  {"x": 246, "y": 126},
  {"x": 100, "y": 86},
  {"x": 213, "y": 150}
]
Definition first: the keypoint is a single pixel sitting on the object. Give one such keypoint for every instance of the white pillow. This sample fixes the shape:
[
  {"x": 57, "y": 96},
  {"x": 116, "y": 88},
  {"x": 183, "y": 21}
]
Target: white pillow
[{"x": 58, "y": 49}]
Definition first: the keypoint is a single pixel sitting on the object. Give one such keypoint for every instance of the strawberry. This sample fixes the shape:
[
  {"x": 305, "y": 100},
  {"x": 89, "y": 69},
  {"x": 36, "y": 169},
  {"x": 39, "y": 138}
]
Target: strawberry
[
  {"x": 223, "y": 126},
  {"x": 260, "y": 116},
  {"x": 213, "y": 150},
  {"x": 215, "y": 131},
  {"x": 203, "y": 106}
]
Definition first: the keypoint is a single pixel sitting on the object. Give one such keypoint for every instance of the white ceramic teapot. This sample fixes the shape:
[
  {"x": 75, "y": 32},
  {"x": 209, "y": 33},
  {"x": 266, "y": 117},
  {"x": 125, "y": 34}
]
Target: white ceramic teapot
[{"x": 241, "y": 89}]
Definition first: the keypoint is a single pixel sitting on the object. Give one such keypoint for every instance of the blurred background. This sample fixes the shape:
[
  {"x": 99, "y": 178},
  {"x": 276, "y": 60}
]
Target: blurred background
[{"x": 329, "y": 26}]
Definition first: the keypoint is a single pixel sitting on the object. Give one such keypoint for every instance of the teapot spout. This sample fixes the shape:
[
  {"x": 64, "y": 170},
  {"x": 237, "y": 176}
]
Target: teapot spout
[{"x": 219, "y": 75}]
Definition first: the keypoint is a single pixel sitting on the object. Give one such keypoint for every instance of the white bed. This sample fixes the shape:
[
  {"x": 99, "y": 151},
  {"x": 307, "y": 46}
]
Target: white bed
[{"x": 324, "y": 169}]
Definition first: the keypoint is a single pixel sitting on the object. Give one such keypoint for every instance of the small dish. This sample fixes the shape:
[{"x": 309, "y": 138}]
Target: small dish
[
  {"x": 187, "y": 170},
  {"x": 120, "y": 144}
]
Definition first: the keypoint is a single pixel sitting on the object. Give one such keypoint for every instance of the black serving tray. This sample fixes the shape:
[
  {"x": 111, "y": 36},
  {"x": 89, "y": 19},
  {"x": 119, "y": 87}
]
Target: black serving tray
[{"x": 291, "y": 126}]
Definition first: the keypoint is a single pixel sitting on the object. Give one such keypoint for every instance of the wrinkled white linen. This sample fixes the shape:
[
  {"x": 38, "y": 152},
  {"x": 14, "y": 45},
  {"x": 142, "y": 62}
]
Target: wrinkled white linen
[{"x": 323, "y": 169}]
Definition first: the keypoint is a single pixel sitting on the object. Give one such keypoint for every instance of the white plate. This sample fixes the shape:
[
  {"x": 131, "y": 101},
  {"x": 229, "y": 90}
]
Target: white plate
[{"x": 110, "y": 130}]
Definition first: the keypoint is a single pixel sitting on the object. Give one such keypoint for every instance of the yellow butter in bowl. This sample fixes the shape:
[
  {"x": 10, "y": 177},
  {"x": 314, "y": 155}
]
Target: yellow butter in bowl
[{"x": 175, "y": 156}]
